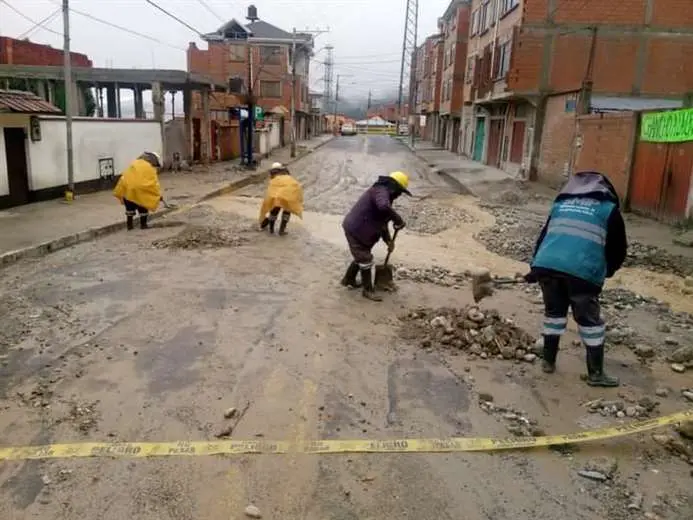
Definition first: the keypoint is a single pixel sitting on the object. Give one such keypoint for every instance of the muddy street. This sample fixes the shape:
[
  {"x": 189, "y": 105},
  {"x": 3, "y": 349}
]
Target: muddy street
[{"x": 149, "y": 336}]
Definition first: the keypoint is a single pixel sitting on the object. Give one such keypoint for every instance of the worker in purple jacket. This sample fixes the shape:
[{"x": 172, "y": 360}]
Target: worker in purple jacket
[{"x": 367, "y": 222}]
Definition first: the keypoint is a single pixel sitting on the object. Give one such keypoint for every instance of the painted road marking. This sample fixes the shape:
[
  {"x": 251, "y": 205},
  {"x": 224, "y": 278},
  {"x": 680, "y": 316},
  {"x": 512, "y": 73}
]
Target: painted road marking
[{"x": 258, "y": 447}]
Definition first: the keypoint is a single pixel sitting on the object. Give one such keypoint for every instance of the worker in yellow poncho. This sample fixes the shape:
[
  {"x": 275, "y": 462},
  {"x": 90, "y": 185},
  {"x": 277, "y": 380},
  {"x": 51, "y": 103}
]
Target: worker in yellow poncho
[
  {"x": 285, "y": 195},
  {"x": 138, "y": 188}
]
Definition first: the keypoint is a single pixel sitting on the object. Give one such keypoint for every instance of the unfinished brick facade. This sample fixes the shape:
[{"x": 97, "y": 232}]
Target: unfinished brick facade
[{"x": 24, "y": 52}]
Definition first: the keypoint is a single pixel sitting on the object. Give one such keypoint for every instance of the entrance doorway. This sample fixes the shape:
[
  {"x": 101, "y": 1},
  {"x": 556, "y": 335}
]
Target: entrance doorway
[
  {"x": 17, "y": 169},
  {"x": 479, "y": 138}
]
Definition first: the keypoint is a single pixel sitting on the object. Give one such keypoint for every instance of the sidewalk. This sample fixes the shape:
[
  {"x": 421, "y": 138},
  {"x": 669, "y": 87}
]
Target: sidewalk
[
  {"x": 469, "y": 176},
  {"x": 50, "y": 225}
]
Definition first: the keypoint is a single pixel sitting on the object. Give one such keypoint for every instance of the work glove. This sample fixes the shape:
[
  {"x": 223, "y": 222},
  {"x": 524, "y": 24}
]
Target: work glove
[{"x": 400, "y": 225}]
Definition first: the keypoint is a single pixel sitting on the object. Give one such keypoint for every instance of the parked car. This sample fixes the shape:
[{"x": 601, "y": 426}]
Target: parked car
[
  {"x": 403, "y": 129},
  {"x": 348, "y": 129}
]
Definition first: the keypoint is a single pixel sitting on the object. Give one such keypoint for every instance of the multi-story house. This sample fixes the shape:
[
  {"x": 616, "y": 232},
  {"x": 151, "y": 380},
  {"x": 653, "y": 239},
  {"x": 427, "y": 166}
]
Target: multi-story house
[
  {"x": 534, "y": 65},
  {"x": 454, "y": 28},
  {"x": 428, "y": 80},
  {"x": 271, "y": 63}
]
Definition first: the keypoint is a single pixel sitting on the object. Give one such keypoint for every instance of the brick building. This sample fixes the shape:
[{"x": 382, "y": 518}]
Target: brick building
[
  {"x": 389, "y": 112},
  {"x": 428, "y": 81},
  {"x": 24, "y": 52},
  {"x": 226, "y": 59},
  {"x": 528, "y": 61},
  {"x": 454, "y": 28}
]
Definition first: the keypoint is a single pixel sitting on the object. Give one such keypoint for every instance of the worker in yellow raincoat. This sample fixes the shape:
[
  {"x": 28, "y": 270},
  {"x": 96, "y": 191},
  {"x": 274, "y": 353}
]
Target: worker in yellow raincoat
[
  {"x": 138, "y": 188},
  {"x": 285, "y": 195}
]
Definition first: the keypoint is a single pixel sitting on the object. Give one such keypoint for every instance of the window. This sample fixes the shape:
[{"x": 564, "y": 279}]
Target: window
[
  {"x": 507, "y": 5},
  {"x": 469, "y": 73},
  {"x": 483, "y": 22},
  {"x": 492, "y": 12},
  {"x": 237, "y": 52},
  {"x": 503, "y": 60},
  {"x": 270, "y": 55},
  {"x": 270, "y": 89},
  {"x": 475, "y": 22}
]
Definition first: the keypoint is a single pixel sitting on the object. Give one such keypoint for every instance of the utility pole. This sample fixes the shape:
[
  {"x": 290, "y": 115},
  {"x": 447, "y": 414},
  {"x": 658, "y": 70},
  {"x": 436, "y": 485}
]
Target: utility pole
[
  {"x": 368, "y": 117},
  {"x": 587, "y": 83},
  {"x": 293, "y": 94},
  {"x": 67, "y": 73},
  {"x": 327, "y": 79},
  {"x": 336, "y": 103},
  {"x": 252, "y": 17},
  {"x": 411, "y": 23}
]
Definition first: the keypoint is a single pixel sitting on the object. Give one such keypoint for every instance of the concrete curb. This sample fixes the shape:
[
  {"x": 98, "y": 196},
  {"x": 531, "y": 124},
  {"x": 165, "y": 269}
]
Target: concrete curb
[{"x": 88, "y": 235}]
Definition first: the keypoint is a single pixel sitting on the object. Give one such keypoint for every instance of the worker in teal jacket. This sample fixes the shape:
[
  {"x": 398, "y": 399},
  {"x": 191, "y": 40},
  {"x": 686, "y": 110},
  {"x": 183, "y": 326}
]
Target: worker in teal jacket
[{"x": 582, "y": 243}]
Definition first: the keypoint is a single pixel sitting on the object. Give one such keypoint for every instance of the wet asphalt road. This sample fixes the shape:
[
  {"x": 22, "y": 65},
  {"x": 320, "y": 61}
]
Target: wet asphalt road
[{"x": 119, "y": 341}]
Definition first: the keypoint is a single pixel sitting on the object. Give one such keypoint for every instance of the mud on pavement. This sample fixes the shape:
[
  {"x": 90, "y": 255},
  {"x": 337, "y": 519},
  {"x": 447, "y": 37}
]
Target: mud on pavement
[{"x": 120, "y": 340}]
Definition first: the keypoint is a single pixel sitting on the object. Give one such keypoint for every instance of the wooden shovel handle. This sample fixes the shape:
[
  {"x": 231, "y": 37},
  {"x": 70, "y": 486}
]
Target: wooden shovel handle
[{"x": 387, "y": 257}]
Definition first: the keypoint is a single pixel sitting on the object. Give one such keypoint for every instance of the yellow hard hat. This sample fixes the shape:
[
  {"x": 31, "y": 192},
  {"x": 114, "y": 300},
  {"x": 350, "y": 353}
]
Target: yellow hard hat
[{"x": 402, "y": 179}]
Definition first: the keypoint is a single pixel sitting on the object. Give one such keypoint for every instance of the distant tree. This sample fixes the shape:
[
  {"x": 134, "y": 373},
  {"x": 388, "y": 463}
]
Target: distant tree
[{"x": 32, "y": 86}]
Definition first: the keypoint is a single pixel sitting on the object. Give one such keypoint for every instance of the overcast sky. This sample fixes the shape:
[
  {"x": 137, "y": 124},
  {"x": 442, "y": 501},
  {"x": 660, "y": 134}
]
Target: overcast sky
[{"x": 366, "y": 34}]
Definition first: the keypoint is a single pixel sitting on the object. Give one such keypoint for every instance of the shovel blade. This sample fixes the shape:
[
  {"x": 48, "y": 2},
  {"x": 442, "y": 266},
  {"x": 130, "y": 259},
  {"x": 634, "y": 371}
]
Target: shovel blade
[{"x": 384, "y": 276}]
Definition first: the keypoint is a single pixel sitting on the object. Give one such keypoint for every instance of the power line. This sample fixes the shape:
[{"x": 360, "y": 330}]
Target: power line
[
  {"x": 34, "y": 22},
  {"x": 171, "y": 15},
  {"x": 40, "y": 25},
  {"x": 209, "y": 9},
  {"x": 124, "y": 29}
]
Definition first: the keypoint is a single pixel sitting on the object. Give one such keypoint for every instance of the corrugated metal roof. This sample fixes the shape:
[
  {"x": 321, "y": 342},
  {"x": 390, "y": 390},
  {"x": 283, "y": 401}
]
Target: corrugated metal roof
[
  {"x": 18, "y": 101},
  {"x": 605, "y": 103}
]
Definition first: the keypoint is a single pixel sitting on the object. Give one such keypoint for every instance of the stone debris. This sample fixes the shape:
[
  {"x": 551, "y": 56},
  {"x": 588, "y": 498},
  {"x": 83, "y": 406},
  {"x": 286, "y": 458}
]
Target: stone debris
[
  {"x": 484, "y": 334},
  {"x": 678, "y": 368},
  {"x": 252, "y": 512},
  {"x": 682, "y": 355},
  {"x": 517, "y": 422},
  {"x": 593, "y": 475},
  {"x": 435, "y": 275},
  {"x": 645, "y": 407},
  {"x": 677, "y": 443},
  {"x": 428, "y": 218},
  {"x": 230, "y": 413},
  {"x": 84, "y": 416},
  {"x": 201, "y": 237},
  {"x": 687, "y": 394}
]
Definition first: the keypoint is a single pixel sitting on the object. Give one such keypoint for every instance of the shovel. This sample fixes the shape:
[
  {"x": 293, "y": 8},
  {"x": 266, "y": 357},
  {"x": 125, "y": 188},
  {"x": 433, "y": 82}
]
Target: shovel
[
  {"x": 483, "y": 285},
  {"x": 384, "y": 273},
  {"x": 168, "y": 206}
]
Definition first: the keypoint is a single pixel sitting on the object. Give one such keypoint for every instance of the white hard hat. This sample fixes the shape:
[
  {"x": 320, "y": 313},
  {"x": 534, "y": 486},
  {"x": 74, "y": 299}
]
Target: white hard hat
[
  {"x": 277, "y": 166},
  {"x": 158, "y": 158}
]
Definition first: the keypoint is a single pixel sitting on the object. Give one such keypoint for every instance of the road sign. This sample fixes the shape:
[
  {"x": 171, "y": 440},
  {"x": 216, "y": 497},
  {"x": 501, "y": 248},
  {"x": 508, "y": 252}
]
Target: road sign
[{"x": 259, "y": 113}]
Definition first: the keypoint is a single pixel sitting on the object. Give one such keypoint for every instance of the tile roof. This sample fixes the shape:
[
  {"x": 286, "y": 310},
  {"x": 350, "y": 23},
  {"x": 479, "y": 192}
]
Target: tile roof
[{"x": 18, "y": 101}]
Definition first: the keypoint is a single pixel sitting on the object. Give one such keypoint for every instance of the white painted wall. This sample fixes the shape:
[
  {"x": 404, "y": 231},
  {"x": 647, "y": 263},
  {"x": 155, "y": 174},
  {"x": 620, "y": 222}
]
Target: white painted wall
[
  {"x": 275, "y": 138},
  {"x": 4, "y": 180},
  {"x": 92, "y": 140}
]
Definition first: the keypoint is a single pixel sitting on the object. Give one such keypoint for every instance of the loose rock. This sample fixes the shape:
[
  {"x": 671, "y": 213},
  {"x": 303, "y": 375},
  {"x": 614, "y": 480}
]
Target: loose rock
[
  {"x": 682, "y": 355},
  {"x": 593, "y": 475},
  {"x": 230, "y": 413},
  {"x": 678, "y": 368},
  {"x": 252, "y": 512}
]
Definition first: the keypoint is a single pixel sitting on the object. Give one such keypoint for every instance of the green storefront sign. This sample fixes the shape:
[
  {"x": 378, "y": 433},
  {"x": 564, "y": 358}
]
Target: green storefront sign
[
  {"x": 259, "y": 113},
  {"x": 667, "y": 127}
]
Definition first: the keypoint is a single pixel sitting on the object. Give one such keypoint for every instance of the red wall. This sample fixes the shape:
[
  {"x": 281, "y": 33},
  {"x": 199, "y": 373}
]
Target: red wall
[{"x": 23, "y": 52}]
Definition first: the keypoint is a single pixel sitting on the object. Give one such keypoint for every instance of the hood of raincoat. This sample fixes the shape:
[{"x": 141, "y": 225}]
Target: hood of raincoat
[
  {"x": 589, "y": 184},
  {"x": 139, "y": 183},
  {"x": 285, "y": 192}
]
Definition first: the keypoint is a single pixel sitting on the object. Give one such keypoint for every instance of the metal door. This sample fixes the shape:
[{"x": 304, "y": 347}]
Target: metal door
[
  {"x": 479, "y": 138},
  {"x": 677, "y": 178},
  {"x": 17, "y": 169}
]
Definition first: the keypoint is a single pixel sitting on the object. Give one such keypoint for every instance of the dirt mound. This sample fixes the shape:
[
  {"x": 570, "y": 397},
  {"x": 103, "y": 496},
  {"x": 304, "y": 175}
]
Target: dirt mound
[
  {"x": 478, "y": 333},
  {"x": 436, "y": 275},
  {"x": 658, "y": 260},
  {"x": 201, "y": 237}
]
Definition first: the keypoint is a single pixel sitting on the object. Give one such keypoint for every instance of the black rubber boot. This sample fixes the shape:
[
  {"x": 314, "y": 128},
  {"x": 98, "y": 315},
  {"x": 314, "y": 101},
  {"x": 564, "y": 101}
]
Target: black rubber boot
[
  {"x": 368, "y": 289},
  {"x": 143, "y": 222},
  {"x": 130, "y": 222},
  {"x": 265, "y": 223},
  {"x": 595, "y": 369},
  {"x": 272, "y": 221},
  {"x": 285, "y": 221},
  {"x": 349, "y": 279},
  {"x": 550, "y": 353}
]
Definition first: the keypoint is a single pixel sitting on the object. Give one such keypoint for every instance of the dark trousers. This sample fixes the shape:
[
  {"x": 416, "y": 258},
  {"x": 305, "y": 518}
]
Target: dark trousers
[
  {"x": 131, "y": 209},
  {"x": 362, "y": 253},
  {"x": 563, "y": 292},
  {"x": 286, "y": 215}
]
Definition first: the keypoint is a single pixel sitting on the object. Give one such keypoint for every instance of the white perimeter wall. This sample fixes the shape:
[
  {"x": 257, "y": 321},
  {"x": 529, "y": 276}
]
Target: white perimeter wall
[
  {"x": 4, "y": 181},
  {"x": 92, "y": 140}
]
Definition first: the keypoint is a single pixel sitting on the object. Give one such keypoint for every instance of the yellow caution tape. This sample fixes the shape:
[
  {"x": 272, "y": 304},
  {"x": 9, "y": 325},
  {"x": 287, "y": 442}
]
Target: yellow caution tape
[{"x": 241, "y": 447}]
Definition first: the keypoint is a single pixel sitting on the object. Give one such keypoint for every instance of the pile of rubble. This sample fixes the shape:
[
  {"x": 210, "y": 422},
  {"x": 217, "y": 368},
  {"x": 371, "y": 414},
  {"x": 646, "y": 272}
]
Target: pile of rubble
[
  {"x": 645, "y": 407},
  {"x": 429, "y": 219},
  {"x": 516, "y": 421},
  {"x": 514, "y": 234},
  {"x": 435, "y": 275},
  {"x": 658, "y": 260},
  {"x": 484, "y": 334},
  {"x": 201, "y": 237}
]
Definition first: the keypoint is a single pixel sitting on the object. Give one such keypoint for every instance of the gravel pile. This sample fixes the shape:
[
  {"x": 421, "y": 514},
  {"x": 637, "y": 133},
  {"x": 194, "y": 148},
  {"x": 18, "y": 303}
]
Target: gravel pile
[
  {"x": 483, "y": 334},
  {"x": 429, "y": 218},
  {"x": 645, "y": 407},
  {"x": 658, "y": 260},
  {"x": 434, "y": 275},
  {"x": 201, "y": 237}
]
